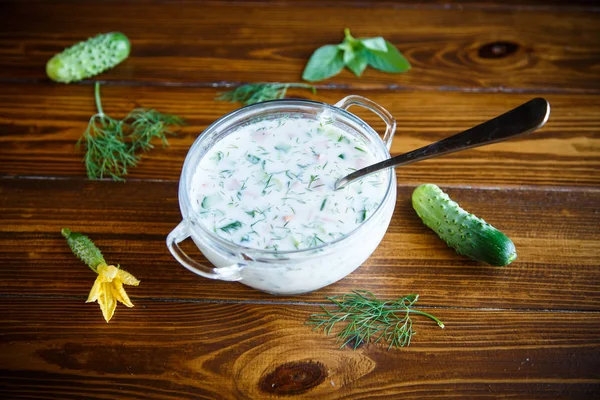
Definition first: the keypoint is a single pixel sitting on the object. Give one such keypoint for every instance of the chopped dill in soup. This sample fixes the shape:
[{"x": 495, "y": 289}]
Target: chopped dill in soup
[{"x": 270, "y": 185}]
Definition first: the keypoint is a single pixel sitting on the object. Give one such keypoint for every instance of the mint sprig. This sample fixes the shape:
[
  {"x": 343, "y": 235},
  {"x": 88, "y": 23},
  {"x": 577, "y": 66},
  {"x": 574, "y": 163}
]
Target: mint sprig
[{"x": 354, "y": 54}]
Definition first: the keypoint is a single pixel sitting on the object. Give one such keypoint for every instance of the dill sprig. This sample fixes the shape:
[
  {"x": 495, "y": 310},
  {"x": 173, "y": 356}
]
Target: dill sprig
[
  {"x": 113, "y": 145},
  {"x": 368, "y": 319},
  {"x": 258, "y": 92}
]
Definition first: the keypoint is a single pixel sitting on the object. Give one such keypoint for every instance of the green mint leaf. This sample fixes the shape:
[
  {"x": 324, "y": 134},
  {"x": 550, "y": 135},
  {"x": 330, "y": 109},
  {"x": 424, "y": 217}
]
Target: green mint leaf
[
  {"x": 350, "y": 46},
  {"x": 349, "y": 53},
  {"x": 358, "y": 63},
  {"x": 389, "y": 61},
  {"x": 375, "y": 44},
  {"x": 324, "y": 63},
  {"x": 355, "y": 57}
]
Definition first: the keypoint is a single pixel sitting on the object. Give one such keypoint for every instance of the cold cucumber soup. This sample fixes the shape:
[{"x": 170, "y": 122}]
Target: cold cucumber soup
[{"x": 269, "y": 185}]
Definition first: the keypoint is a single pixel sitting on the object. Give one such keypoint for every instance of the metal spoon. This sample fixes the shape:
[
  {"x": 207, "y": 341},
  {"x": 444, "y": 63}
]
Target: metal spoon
[{"x": 524, "y": 119}]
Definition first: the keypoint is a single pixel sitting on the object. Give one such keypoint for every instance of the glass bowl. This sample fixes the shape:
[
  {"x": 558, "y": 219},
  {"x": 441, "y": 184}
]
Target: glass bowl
[{"x": 286, "y": 272}]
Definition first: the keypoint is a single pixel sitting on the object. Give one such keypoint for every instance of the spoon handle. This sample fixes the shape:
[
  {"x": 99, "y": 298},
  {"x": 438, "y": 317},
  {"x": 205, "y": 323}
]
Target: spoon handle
[{"x": 524, "y": 119}]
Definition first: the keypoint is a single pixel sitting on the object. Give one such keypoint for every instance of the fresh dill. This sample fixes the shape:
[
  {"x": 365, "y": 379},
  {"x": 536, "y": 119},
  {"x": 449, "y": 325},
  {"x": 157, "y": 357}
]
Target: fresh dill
[
  {"x": 112, "y": 145},
  {"x": 218, "y": 156},
  {"x": 323, "y": 204},
  {"x": 368, "y": 319},
  {"x": 315, "y": 241},
  {"x": 226, "y": 173},
  {"x": 231, "y": 227},
  {"x": 252, "y": 93},
  {"x": 267, "y": 184},
  {"x": 313, "y": 178}
]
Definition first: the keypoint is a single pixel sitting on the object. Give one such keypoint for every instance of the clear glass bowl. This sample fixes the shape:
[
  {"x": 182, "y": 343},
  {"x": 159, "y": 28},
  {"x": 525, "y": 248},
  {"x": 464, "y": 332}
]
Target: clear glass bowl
[{"x": 285, "y": 272}]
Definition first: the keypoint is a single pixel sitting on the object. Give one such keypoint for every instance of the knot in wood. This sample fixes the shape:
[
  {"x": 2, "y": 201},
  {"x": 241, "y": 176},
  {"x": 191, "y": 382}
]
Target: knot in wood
[
  {"x": 294, "y": 378},
  {"x": 498, "y": 49}
]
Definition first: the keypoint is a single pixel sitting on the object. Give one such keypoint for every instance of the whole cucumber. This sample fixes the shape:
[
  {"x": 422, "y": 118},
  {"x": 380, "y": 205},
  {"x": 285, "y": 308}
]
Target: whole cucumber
[
  {"x": 464, "y": 232},
  {"x": 84, "y": 248},
  {"x": 89, "y": 58}
]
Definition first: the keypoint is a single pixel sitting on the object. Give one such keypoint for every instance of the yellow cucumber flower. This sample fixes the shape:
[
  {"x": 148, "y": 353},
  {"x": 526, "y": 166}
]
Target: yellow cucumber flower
[{"x": 108, "y": 288}]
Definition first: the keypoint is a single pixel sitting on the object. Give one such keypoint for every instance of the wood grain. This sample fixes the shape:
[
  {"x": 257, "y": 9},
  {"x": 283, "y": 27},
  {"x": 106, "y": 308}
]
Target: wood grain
[
  {"x": 61, "y": 348},
  {"x": 40, "y": 125},
  {"x": 457, "y": 48},
  {"x": 525, "y": 331},
  {"x": 555, "y": 233},
  {"x": 548, "y": 5}
]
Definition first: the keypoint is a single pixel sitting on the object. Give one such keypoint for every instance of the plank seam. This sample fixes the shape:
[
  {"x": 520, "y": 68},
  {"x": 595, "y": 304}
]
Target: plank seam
[
  {"x": 451, "y": 6},
  {"x": 287, "y": 303},
  {"x": 332, "y": 86}
]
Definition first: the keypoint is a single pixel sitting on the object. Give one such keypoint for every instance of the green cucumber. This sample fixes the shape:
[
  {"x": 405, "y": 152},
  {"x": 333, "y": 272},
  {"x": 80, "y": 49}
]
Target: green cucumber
[
  {"x": 464, "y": 232},
  {"x": 210, "y": 201},
  {"x": 89, "y": 58},
  {"x": 83, "y": 247}
]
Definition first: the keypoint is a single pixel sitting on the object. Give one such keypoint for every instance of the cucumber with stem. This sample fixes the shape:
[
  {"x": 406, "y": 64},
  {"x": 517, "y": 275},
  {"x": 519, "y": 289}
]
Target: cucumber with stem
[
  {"x": 83, "y": 247},
  {"x": 91, "y": 57},
  {"x": 464, "y": 232}
]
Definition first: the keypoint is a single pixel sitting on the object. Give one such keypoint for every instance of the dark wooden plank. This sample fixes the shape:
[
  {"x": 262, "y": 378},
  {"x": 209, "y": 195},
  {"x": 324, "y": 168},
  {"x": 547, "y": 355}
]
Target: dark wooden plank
[
  {"x": 452, "y": 49},
  {"x": 555, "y": 5},
  {"x": 61, "y": 348},
  {"x": 555, "y": 232},
  {"x": 40, "y": 125}
]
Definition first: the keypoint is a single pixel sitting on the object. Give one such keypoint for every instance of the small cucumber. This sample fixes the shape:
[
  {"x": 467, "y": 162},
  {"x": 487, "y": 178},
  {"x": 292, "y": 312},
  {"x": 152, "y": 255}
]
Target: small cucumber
[
  {"x": 84, "y": 248},
  {"x": 464, "y": 232},
  {"x": 89, "y": 58}
]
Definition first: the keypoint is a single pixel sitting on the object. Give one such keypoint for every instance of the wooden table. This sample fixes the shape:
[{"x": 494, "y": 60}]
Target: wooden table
[{"x": 528, "y": 330}]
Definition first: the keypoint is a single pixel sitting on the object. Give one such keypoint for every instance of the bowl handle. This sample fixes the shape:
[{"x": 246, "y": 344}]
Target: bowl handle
[
  {"x": 390, "y": 122},
  {"x": 178, "y": 235}
]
